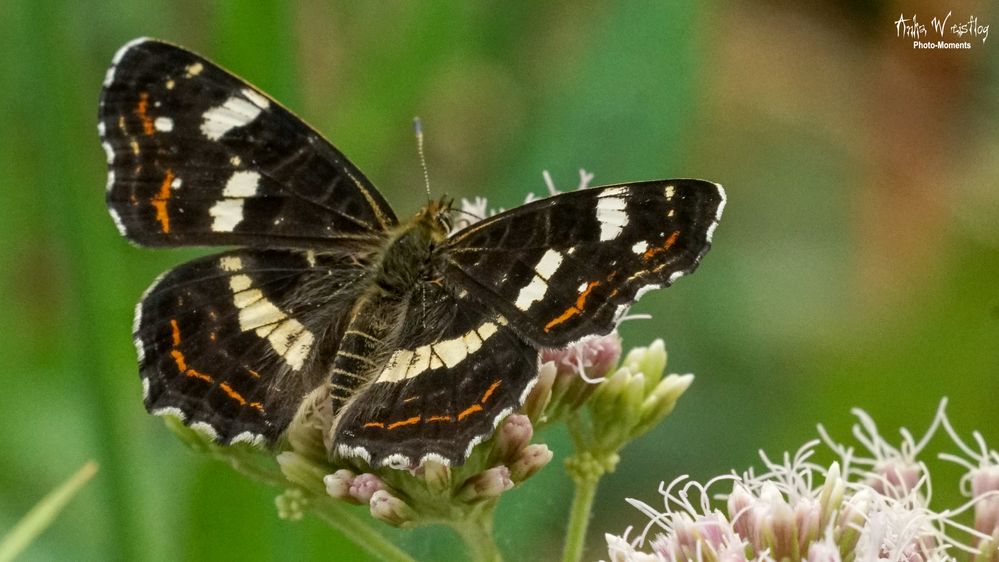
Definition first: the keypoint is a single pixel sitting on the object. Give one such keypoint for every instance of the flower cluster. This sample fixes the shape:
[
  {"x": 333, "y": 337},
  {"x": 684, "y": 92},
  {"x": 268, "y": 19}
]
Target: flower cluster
[
  {"x": 431, "y": 492},
  {"x": 857, "y": 508},
  {"x": 626, "y": 403}
]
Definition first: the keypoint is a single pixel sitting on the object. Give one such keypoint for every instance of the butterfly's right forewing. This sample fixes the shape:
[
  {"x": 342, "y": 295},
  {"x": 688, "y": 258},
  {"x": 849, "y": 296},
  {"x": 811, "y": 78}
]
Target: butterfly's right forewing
[{"x": 570, "y": 265}]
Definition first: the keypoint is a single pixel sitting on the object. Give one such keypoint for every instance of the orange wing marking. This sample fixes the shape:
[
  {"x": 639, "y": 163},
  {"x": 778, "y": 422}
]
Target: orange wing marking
[
  {"x": 200, "y": 375},
  {"x": 441, "y": 418},
  {"x": 159, "y": 201},
  {"x": 142, "y": 111},
  {"x": 178, "y": 358},
  {"x": 408, "y": 421},
  {"x": 574, "y": 309},
  {"x": 485, "y": 397},
  {"x": 660, "y": 249},
  {"x": 232, "y": 393},
  {"x": 469, "y": 411},
  {"x": 489, "y": 391},
  {"x": 239, "y": 397},
  {"x": 181, "y": 361},
  {"x": 176, "y": 332}
]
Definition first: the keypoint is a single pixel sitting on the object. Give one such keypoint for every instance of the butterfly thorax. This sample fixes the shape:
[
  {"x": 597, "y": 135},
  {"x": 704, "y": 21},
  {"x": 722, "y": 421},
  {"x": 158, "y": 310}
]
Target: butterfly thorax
[
  {"x": 407, "y": 262},
  {"x": 409, "y": 256}
]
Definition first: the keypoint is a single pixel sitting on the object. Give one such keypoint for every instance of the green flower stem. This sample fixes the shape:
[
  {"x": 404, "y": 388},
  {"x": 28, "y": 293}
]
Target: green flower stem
[
  {"x": 252, "y": 464},
  {"x": 579, "y": 517},
  {"x": 44, "y": 512},
  {"x": 477, "y": 532},
  {"x": 341, "y": 516},
  {"x": 586, "y": 467}
]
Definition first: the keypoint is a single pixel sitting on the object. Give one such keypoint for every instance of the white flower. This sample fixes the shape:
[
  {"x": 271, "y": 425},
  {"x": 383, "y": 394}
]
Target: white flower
[
  {"x": 981, "y": 482},
  {"x": 471, "y": 212},
  {"x": 797, "y": 509}
]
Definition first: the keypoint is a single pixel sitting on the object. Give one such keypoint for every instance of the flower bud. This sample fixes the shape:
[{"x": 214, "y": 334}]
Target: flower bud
[
  {"x": 541, "y": 394},
  {"x": 485, "y": 485},
  {"x": 648, "y": 360},
  {"x": 301, "y": 471},
  {"x": 364, "y": 486},
  {"x": 530, "y": 460},
  {"x": 740, "y": 503},
  {"x": 605, "y": 399},
  {"x": 437, "y": 476},
  {"x": 291, "y": 504},
  {"x": 616, "y": 408},
  {"x": 579, "y": 366},
  {"x": 338, "y": 485},
  {"x": 513, "y": 435},
  {"x": 895, "y": 477},
  {"x": 390, "y": 509},
  {"x": 985, "y": 489},
  {"x": 591, "y": 357},
  {"x": 661, "y": 400}
]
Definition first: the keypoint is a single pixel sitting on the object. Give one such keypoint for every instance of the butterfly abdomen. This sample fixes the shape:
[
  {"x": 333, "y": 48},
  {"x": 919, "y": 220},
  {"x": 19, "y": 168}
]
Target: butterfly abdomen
[
  {"x": 360, "y": 354},
  {"x": 372, "y": 332}
]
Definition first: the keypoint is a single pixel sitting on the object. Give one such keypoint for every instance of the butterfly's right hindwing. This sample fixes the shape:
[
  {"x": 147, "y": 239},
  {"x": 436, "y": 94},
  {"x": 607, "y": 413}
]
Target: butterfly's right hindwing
[{"x": 457, "y": 371}]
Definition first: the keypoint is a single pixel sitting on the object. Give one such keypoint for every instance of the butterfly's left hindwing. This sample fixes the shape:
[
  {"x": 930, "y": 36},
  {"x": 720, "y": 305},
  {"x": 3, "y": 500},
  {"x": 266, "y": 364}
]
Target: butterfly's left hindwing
[
  {"x": 197, "y": 156},
  {"x": 232, "y": 342},
  {"x": 569, "y": 266}
]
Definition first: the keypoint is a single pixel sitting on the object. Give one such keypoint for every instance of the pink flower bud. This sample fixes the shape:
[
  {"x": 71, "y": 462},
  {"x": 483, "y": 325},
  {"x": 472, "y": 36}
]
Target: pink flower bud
[{"x": 364, "y": 486}]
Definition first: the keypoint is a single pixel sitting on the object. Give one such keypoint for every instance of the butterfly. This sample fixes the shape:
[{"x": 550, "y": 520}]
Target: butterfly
[{"x": 419, "y": 338}]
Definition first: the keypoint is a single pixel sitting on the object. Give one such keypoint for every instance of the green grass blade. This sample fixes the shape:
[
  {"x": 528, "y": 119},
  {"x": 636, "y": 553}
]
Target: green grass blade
[{"x": 44, "y": 513}]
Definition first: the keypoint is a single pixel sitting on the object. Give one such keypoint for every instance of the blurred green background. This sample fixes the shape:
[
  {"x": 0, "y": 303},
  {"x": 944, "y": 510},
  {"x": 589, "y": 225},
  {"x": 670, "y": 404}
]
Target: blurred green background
[{"x": 856, "y": 264}]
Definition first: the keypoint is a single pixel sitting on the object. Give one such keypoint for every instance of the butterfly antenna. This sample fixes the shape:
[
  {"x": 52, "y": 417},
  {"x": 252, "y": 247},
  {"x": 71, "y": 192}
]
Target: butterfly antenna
[
  {"x": 418, "y": 129},
  {"x": 469, "y": 213}
]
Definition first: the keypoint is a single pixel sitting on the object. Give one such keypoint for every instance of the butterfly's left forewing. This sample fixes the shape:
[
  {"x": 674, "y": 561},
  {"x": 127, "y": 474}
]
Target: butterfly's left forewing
[
  {"x": 570, "y": 265},
  {"x": 197, "y": 156}
]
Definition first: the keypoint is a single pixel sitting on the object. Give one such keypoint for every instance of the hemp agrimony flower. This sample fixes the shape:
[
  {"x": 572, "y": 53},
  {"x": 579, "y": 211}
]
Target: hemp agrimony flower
[{"x": 862, "y": 508}]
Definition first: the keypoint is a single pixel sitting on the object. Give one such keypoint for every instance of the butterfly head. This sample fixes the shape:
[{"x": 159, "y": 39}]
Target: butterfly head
[
  {"x": 436, "y": 217},
  {"x": 411, "y": 253}
]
